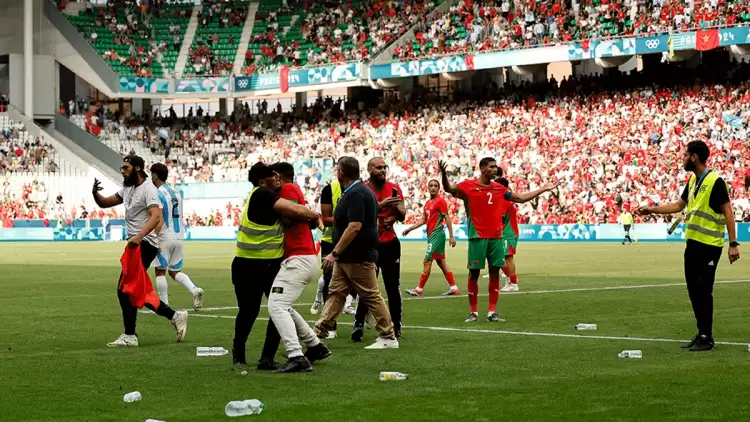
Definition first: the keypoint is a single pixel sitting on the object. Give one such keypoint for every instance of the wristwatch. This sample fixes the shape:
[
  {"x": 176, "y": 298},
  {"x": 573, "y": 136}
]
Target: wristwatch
[
  {"x": 335, "y": 254},
  {"x": 734, "y": 244}
]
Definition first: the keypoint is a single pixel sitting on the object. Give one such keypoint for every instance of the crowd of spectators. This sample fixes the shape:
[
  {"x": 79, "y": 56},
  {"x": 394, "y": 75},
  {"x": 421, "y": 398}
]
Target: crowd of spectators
[
  {"x": 481, "y": 25},
  {"x": 203, "y": 59},
  {"x": 616, "y": 142}
]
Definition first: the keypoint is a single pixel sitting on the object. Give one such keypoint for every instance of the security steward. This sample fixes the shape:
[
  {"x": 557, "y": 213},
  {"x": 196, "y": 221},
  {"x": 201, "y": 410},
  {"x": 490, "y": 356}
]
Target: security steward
[
  {"x": 258, "y": 256},
  {"x": 328, "y": 200},
  {"x": 709, "y": 213}
]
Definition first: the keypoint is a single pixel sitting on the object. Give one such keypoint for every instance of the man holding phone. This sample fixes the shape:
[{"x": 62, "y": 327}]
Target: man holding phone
[{"x": 390, "y": 210}]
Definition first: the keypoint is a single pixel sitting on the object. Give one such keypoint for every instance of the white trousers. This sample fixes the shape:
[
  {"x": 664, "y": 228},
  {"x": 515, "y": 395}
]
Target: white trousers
[{"x": 296, "y": 273}]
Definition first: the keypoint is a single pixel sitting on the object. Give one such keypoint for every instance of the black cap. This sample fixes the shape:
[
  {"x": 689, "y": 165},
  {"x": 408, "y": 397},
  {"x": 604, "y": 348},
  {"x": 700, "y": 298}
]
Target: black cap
[
  {"x": 259, "y": 171},
  {"x": 135, "y": 161}
]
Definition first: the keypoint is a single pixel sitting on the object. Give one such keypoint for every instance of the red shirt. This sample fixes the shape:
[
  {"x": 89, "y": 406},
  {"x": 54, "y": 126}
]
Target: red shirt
[
  {"x": 435, "y": 213},
  {"x": 385, "y": 231},
  {"x": 298, "y": 238},
  {"x": 485, "y": 206}
]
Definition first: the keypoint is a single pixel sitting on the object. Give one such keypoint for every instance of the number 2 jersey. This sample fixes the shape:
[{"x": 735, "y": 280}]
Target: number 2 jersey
[
  {"x": 171, "y": 212},
  {"x": 486, "y": 205}
]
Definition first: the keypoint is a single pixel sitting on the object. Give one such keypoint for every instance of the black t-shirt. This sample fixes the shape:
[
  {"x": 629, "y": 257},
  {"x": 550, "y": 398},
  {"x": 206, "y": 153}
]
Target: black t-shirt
[
  {"x": 261, "y": 210},
  {"x": 358, "y": 205},
  {"x": 719, "y": 195},
  {"x": 326, "y": 195}
]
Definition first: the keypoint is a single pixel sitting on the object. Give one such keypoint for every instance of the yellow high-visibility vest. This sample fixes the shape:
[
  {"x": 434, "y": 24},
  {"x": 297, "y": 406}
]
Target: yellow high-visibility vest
[
  {"x": 702, "y": 224},
  {"x": 257, "y": 241},
  {"x": 336, "y": 195}
]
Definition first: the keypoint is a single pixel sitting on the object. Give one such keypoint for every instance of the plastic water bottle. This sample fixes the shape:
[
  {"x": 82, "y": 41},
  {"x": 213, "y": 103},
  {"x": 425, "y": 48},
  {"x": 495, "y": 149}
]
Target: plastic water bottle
[
  {"x": 132, "y": 397},
  {"x": 243, "y": 408},
  {"x": 585, "y": 326},
  {"x": 393, "y": 376},
  {"x": 211, "y": 351},
  {"x": 631, "y": 354}
]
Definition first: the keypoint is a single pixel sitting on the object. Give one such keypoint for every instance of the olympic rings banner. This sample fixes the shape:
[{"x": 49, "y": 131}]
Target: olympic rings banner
[
  {"x": 528, "y": 232},
  {"x": 300, "y": 77}
]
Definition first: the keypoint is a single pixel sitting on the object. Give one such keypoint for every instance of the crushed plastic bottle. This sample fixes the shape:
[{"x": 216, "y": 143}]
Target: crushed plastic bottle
[
  {"x": 243, "y": 408},
  {"x": 211, "y": 351},
  {"x": 393, "y": 376},
  {"x": 631, "y": 354},
  {"x": 132, "y": 397},
  {"x": 585, "y": 326}
]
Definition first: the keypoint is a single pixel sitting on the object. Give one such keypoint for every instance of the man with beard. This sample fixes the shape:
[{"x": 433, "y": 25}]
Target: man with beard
[
  {"x": 390, "y": 210},
  {"x": 486, "y": 204},
  {"x": 709, "y": 214},
  {"x": 141, "y": 201},
  {"x": 436, "y": 217},
  {"x": 258, "y": 256}
]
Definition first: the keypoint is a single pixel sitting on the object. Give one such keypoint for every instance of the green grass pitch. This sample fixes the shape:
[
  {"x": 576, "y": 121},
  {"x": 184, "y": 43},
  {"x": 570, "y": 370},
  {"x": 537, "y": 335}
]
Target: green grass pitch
[{"x": 58, "y": 310}]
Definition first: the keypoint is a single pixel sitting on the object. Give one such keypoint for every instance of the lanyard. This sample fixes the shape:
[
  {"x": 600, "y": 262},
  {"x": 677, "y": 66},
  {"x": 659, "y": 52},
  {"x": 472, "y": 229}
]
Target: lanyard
[
  {"x": 351, "y": 186},
  {"x": 700, "y": 181}
]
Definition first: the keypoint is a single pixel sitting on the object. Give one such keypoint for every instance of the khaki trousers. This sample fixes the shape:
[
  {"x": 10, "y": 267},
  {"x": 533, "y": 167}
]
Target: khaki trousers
[{"x": 363, "y": 278}]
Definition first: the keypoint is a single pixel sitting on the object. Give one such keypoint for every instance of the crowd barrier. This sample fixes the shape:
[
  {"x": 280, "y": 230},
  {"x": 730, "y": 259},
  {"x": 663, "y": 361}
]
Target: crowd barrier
[{"x": 36, "y": 231}]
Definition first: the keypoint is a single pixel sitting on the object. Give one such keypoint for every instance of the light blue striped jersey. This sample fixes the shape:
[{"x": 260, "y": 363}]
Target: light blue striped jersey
[{"x": 171, "y": 212}]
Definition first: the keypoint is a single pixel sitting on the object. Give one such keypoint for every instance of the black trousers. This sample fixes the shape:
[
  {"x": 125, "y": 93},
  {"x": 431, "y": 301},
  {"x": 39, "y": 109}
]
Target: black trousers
[
  {"x": 389, "y": 264},
  {"x": 252, "y": 279},
  {"x": 130, "y": 312},
  {"x": 700, "y": 274}
]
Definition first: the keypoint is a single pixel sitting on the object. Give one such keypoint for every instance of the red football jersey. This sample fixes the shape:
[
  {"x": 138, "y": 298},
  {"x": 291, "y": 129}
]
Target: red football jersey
[
  {"x": 386, "y": 234},
  {"x": 485, "y": 207},
  {"x": 435, "y": 213},
  {"x": 298, "y": 239}
]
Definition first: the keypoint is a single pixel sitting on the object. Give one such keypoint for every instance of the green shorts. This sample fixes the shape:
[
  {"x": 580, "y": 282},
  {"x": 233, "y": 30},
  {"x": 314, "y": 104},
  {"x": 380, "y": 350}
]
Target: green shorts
[
  {"x": 492, "y": 251},
  {"x": 510, "y": 246},
  {"x": 435, "y": 246}
]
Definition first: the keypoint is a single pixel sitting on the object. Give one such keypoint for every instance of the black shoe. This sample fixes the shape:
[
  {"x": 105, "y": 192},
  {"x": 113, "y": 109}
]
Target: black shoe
[
  {"x": 703, "y": 344},
  {"x": 691, "y": 343},
  {"x": 298, "y": 364},
  {"x": 317, "y": 352},
  {"x": 397, "y": 331},
  {"x": 357, "y": 333},
  {"x": 267, "y": 365}
]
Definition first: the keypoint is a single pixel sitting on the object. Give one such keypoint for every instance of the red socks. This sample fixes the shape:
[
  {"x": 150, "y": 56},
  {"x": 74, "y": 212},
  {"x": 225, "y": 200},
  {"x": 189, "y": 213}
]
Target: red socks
[
  {"x": 513, "y": 279},
  {"x": 506, "y": 271},
  {"x": 473, "y": 289},
  {"x": 450, "y": 279},
  {"x": 423, "y": 280},
  {"x": 494, "y": 293}
]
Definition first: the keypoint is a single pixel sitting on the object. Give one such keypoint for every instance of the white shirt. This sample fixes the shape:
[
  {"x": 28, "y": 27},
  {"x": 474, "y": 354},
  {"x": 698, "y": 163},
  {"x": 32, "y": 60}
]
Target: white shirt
[{"x": 138, "y": 200}]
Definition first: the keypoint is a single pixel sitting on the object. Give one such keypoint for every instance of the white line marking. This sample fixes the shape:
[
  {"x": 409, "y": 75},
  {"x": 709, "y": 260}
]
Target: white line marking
[
  {"x": 529, "y": 292},
  {"x": 516, "y": 333}
]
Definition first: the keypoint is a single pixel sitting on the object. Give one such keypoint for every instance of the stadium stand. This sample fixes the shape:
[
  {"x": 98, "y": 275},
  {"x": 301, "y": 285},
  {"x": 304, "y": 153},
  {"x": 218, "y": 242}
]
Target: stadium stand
[
  {"x": 169, "y": 23},
  {"x": 214, "y": 47}
]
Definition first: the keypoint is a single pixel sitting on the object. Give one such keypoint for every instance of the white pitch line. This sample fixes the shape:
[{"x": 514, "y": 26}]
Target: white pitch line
[
  {"x": 530, "y": 292},
  {"x": 516, "y": 333}
]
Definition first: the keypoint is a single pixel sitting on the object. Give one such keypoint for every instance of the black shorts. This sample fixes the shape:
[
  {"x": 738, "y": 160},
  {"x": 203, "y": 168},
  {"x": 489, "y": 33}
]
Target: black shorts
[
  {"x": 325, "y": 249},
  {"x": 627, "y": 228}
]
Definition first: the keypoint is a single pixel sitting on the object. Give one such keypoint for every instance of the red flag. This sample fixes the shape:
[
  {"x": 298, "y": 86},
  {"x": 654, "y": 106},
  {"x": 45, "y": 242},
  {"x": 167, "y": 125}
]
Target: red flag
[
  {"x": 284, "y": 78},
  {"x": 706, "y": 40},
  {"x": 135, "y": 281},
  {"x": 585, "y": 44}
]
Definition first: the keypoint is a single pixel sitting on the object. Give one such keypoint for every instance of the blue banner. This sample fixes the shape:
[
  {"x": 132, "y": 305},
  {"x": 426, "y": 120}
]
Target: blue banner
[
  {"x": 528, "y": 233},
  {"x": 650, "y": 45},
  {"x": 191, "y": 86},
  {"x": 299, "y": 77},
  {"x": 732, "y": 36},
  {"x": 601, "y": 49},
  {"x": 422, "y": 67},
  {"x": 144, "y": 85}
]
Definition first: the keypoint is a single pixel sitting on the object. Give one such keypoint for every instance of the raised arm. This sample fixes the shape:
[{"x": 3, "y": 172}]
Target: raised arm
[
  {"x": 452, "y": 189},
  {"x": 528, "y": 196},
  {"x": 419, "y": 223},
  {"x": 102, "y": 201}
]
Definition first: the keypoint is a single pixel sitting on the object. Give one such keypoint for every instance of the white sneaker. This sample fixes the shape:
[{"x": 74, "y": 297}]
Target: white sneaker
[
  {"x": 331, "y": 335},
  {"x": 349, "y": 310},
  {"x": 370, "y": 321},
  {"x": 198, "y": 299},
  {"x": 316, "y": 307},
  {"x": 124, "y": 340},
  {"x": 383, "y": 343},
  {"x": 179, "y": 322},
  {"x": 510, "y": 287}
]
